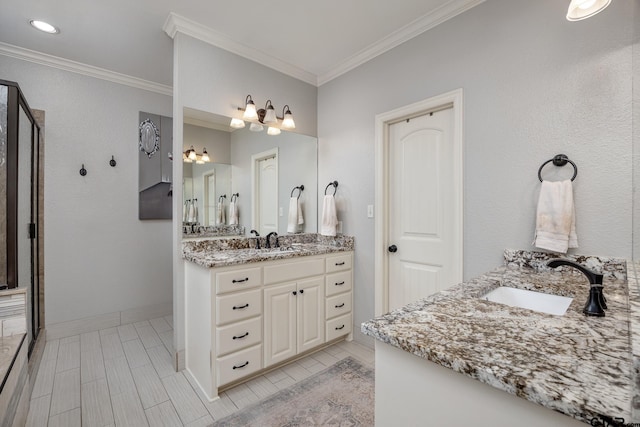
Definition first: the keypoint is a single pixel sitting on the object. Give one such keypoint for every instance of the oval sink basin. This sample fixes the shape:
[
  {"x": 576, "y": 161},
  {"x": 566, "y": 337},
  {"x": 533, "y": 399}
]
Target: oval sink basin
[{"x": 536, "y": 301}]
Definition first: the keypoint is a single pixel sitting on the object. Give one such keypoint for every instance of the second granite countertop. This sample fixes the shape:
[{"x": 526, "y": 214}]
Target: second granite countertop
[{"x": 580, "y": 366}]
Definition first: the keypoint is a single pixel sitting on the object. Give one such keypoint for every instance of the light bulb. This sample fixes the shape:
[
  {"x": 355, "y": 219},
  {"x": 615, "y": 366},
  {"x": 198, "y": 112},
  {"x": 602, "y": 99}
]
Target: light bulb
[
  {"x": 255, "y": 127},
  {"x": 192, "y": 153},
  {"x": 583, "y": 9},
  {"x": 287, "y": 121},
  {"x": 270, "y": 115},
  {"x": 205, "y": 156},
  {"x": 273, "y": 131}
]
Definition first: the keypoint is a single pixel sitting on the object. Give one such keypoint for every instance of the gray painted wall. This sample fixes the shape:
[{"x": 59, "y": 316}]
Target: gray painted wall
[
  {"x": 99, "y": 257},
  {"x": 534, "y": 85}
]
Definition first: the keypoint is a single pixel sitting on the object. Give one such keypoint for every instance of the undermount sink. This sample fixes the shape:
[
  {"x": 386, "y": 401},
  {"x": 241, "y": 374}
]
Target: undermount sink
[{"x": 536, "y": 301}]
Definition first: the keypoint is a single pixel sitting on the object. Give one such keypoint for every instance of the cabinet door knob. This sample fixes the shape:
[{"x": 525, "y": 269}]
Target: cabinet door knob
[
  {"x": 294, "y": 292},
  {"x": 302, "y": 291},
  {"x": 393, "y": 248}
]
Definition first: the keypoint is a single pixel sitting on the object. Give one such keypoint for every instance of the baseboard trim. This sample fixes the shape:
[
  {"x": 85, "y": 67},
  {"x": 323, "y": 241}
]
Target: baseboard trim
[{"x": 108, "y": 320}]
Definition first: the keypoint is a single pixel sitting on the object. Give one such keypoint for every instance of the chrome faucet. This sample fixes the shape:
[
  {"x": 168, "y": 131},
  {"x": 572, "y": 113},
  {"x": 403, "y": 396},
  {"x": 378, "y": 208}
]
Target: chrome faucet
[
  {"x": 268, "y": 244},
  {"x": 257, "y": 238},
  {"x": 597, "y": 303}
]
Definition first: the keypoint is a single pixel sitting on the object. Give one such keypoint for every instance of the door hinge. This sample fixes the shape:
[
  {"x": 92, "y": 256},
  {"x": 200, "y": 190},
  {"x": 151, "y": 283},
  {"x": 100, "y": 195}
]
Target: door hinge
[{"x": 32, "y": 230}]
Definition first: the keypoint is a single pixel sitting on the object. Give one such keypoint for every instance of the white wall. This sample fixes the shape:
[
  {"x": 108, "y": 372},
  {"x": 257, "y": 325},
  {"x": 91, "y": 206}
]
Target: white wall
[
  {"x": 636, "y": 134},
  {"x": 534, "y": 85},
  {"x": 213, "y": 80},
  {"x": 99, "y": 258}
]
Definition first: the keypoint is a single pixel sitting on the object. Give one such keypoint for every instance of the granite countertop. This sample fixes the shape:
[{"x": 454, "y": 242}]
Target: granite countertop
[
  {"x": 577, "y": 365},
  {"x": 8, "y": 349},
  {"x": 225, "y": 252}
]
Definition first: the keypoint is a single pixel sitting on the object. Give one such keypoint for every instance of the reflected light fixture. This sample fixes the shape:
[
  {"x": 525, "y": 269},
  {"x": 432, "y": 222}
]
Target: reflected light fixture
[
  {"x": 44, "y": 26},
  {"x": 287, "y": 118},
  {"x": 250, "y": 112},
  {"x": 236, "y": 123},
  {"x": 273, "y": 131},
  {"x": 583, "y": 9},
  {"x": 190, "y": 156},
  {"x": 255, "y": 127}
]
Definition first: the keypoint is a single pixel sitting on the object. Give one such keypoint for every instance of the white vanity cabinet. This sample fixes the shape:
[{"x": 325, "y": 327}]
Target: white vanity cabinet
[{"x": 241, "y": 319}]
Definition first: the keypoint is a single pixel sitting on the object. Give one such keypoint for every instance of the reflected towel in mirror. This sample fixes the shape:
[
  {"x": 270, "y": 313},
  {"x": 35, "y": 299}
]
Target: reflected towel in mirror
[
  {"x": 295, "y": 219},
  {"x": 233, "y": 213}
]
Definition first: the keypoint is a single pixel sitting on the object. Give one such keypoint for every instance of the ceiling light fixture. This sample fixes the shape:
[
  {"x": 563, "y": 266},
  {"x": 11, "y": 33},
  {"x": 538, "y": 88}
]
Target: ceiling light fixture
[
  {"x": 44, "y": 26},
  {"x": 266, "y": 116},
  {"x": 583, "y": 9}
]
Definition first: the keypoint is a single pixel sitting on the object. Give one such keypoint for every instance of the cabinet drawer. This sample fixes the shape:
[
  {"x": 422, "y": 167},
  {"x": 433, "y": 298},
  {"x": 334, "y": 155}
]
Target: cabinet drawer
[
  {"x": 240, "y": 306},
  {"x": 237, "y": 365},
  {"x": 338, "y": 305},
  {"x": 237, "y": 280},
  {"x": 339, "y": 326},
  {"x": 293, "y": 270},
  {"x": 339, "y": 263},
  {"x": 238, "y": 335},
  {"x": 337, "y": 283}
]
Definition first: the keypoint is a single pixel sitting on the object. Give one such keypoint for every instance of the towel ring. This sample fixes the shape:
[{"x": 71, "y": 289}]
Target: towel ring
[
  {"x": 335, "y": 188},
  {"x": 300, "y": 189},
  {"x": 559, "y": 160},
  {"x": 234, "y": 197}
]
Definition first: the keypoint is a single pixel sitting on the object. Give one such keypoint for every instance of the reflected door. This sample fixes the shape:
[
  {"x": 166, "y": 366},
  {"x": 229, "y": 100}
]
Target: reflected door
[
  {"x": 265, "y": 191},
  {"x": 210, "y": 199}
]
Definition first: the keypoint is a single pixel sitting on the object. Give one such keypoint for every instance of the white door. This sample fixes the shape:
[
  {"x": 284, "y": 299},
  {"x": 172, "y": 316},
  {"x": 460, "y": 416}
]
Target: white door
[
  {"x": 267, "y": 195},
  {"x": 422, "y": 221}
]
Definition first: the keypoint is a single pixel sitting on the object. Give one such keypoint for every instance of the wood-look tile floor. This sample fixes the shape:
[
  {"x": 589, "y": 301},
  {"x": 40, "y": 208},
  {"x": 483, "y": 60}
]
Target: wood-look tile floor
[{"x": 124, "y": 377}]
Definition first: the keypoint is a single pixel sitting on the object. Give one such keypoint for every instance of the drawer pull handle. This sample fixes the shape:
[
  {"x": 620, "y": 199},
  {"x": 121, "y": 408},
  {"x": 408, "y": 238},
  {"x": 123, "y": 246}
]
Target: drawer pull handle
[
  {"x": 339, "y": 327},
  {"x": 241, "y": 366},
  {"x": 246, "y": 279},
  {"x": 240, "y": 307},
  {"x": 340, "y": 283},
  {"x": 340, "y": 306},
  {"x": 340, "y": 263},
  {"x": 237, "y": 337}
]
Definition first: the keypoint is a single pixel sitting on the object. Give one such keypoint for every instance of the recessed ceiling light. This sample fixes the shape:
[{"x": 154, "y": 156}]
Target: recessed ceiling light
[{"x": 44, "y": 26}]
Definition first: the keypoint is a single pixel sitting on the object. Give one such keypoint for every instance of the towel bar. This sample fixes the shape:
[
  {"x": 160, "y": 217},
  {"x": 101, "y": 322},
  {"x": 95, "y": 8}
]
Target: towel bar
[
  {"x": 559, "y": 160},
  {"x": 335, "y": 187}
]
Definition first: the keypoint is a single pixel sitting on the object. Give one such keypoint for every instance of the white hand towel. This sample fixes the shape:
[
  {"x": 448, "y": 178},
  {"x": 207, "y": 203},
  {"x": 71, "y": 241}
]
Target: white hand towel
[
  {"x": 233, "y": 213},
  {"x": 195, "y": 213},
  {"x": 295, "y": 218},
  {"x": 329, "y": 216},
  {"x": 556, "y": 217},
  {"x": 191, "y": 212},
  {"x": 220, "y": 220},
  {"x": 185, "y": 212}
]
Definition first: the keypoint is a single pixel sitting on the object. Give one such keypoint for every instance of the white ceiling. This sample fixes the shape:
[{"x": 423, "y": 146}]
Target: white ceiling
[{"x": 313, "y": 41}]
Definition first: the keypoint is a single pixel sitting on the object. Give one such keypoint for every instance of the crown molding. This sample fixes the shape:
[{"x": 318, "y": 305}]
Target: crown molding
[
  {"x": 84, "y": 69},
  {"x": 409, "y": 31},
  {"x": 179, "y": 24}
]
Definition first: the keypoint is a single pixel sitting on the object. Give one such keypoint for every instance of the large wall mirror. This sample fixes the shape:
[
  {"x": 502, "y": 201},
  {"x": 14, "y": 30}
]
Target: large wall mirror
[{"x": 259, "y": 171}]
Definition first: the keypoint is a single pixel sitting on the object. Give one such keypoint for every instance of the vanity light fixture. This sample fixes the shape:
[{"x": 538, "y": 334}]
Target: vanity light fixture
[
  {"x": 44, "y": 26},
  {"x": 192, "y": 154},
  {"x": 250, "y": 112},
  {"x": 266, "y": 116},
  {"x": 583, "y": 9},
  {"x": 270, "y": 113},
  {"x": 205, "y": 156},
  {"x": 287, "y": 118}
]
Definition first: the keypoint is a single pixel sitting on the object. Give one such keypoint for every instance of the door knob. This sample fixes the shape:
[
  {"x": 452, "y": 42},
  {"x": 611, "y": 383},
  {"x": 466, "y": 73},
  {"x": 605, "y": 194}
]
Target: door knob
[{"x": 393, "y": 248}]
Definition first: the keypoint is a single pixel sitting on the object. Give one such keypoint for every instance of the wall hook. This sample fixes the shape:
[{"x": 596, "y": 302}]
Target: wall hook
[
  {"x": 83, "y": 171},
  {"x": 112, "y": 162}
]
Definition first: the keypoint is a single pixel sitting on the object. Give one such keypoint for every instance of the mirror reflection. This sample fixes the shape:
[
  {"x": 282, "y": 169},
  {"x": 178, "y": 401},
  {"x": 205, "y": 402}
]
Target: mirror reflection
[{"x": 249, "y": 180}]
